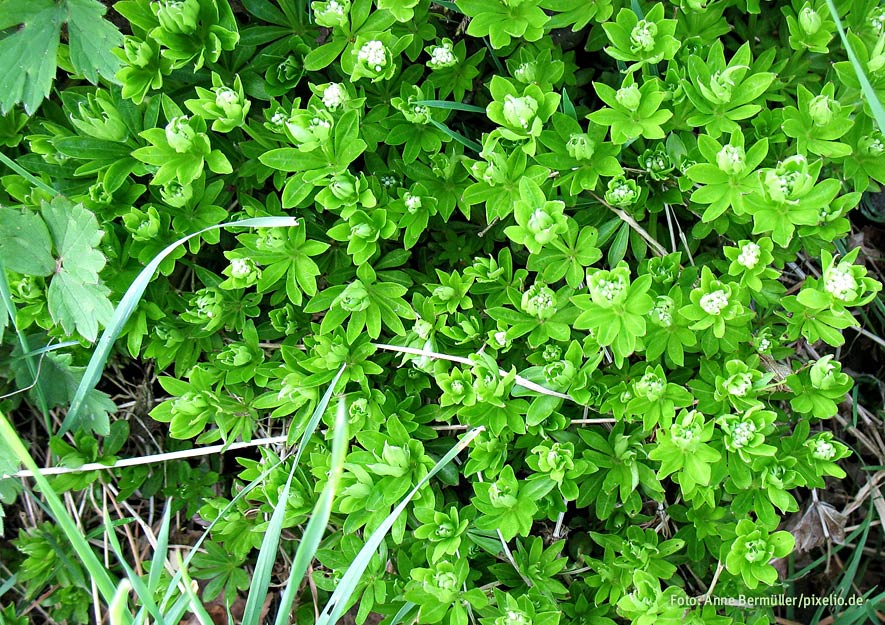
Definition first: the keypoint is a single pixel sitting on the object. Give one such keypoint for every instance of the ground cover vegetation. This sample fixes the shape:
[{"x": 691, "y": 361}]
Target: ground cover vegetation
[{"x": 490, "y": 312}]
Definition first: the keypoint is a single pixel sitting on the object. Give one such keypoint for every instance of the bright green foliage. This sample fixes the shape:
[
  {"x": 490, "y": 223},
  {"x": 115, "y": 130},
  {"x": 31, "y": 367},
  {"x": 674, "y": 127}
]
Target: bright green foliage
[
  {"x": 684, "y": 449},
  {"x": 615, "y": 308},
  {"x": 620, "y": 237},
  {"x": 751, "y": 551},
  {"x": 725, "y": 93},
  {"x": 641, "y": 41},
  {"x": 634, "y": 110},
  {"x": 503, "y": 20},
  {"x": 727, "y": 175},
  {"x": 538, "y": 221},
  {"x": 507, "y": 505}
]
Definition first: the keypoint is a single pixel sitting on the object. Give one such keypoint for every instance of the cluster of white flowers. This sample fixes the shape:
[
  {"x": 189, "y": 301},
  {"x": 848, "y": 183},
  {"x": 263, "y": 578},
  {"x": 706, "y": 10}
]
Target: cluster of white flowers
[
  {"x": 877, "y": 20},
  {"x": 622, "y": 193},
  {"x": 683, "y": 436},
  {"x": 731, "y": 159},
  {"x": 373, "y": 54},
  {"x": 319, "y": 122},
  {"x": 413, "y": 202},
  {"x": 764, "y": 345},
  {"x": 651, "y": 385},
  {"x": 520, "y": 111},
  {"x": 442, "y": 56},
  {"x": 179, "y": 134},
  {"x": 206, "y": 306},
  {"x": 539, "y": 221},
  {"x": 333, "y": 96},
  {"x": 663, "y": 314},
  {"x": 241, "y": 267},
  {"x": 225, "y": 97},
  {"x": 823, "y": 450},
  {"x": 874, "y": 146},
  {"x": 713, "y": 303},
  {"x": 840, "y": 283},
  {"x": 513, "y": 617},
  {"x": 543, "y": 300},
  {"x": 421, "y": 112},
  {"x": 278, "y": 119},
  {"x": 749, "y": 255},
  {"x": 333, "y": 7},
  {"x": 787, "y": 181},
  {"x": 611, "y": 289},
  {"x": 742, "y": 434}
]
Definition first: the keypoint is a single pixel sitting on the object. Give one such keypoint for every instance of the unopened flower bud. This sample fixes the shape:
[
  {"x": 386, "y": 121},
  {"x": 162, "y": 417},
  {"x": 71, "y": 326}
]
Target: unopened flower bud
[
  {"x": 179, "y": 134},
  {"x": 629, "y": 97},
  {"x": 520, "y": 112},
  {"x": 809, "y": 20}
]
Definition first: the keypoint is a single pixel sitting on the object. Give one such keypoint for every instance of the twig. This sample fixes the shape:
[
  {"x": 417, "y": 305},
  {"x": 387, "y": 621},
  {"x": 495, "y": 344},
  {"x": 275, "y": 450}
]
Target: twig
[
  {"x": 863, "y": 332},
  {"x": 172, "y": 455},
  {"x": 487, "y": 228},
  {"x": 659, "y": 249},
  {"x": 466, "y": 361},
  {"x": 706, "y": 596}
]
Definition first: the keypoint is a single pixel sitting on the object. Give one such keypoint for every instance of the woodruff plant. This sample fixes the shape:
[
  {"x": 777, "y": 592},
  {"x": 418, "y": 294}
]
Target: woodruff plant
[{"x": 619, "y": 227}]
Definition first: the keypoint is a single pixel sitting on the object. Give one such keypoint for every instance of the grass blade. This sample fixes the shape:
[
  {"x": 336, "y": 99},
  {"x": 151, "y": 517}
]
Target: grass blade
[
  {"x": 865, "y": 86},
  {"x": 267, "y": 555},
  {"x": 118, "y": 611},
  {"x": 48, "y": 348},
  {"x": 196, "y": 605},
  {"x": 568, "y": 107},
  {"x": 457, "y": 136},
  {"x": 24, "y": 173},
  {"x": 135, "y": 582},
  {"x": 408, "y": 606},
  {"x": 128, "y": 304},
  {"x": 313, "y": 533},
  {"x": 159, "y": 559},
  {"x": 451, "y": 106},
  {"x": 335, "y": 607},
  {"x": 106, "y": 586},
  {"x": 451, "y": 6}
]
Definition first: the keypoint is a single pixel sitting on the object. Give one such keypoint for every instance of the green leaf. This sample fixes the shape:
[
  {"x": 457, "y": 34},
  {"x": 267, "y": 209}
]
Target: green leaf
[
  {"x": 28, "y": 53},
  {"x": 91, "y": 40},
  {"x": 57, "y": 380},
  {"x": 324, "y": 55},
  {"x": 24, "y": 243},
  {"x": 77, "y": 298}
]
